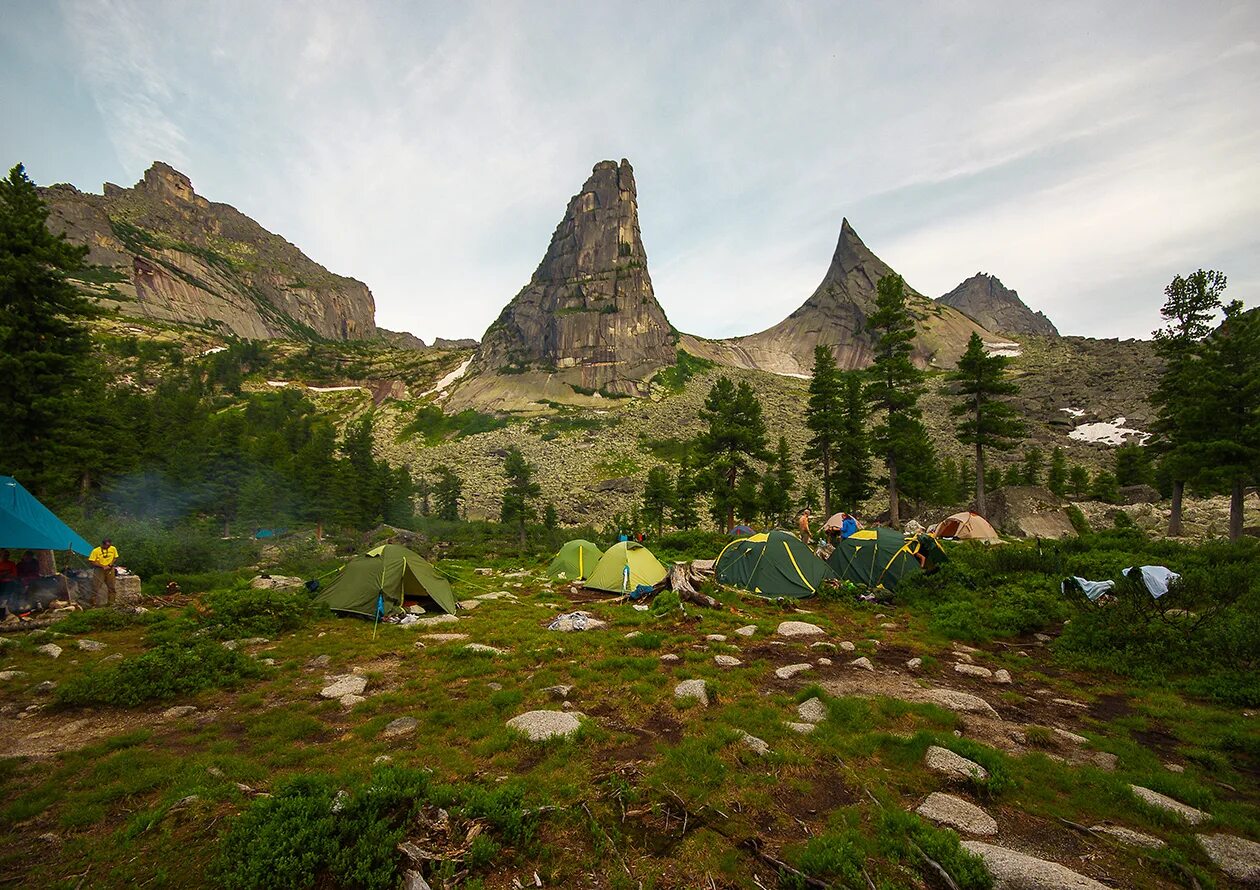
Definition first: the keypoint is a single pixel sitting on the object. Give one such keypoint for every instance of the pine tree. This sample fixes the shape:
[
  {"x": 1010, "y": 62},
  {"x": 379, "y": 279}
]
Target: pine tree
[
  {"x": 1078, "y": 481},
  {"x": 748, "y": 497},
  {"x": 736, "y": 435},
  {"x": 448, "y": 493},
  {"x": 1189, "y": 306},
  {"x": 980, "y": 382},
  {"x": 852, "y": 482},
  {"x": 895, "y": 383},
  {"x": 550, "y": 518},
  {"x": 947, "y": 490},
  {"x": 521, "y": 491},
  {"x": 658, "y": 497},
  {"x": 1014, "y": 475},
  {"x": 1057, "y": 477},
  {"x": 777, "y": 487},
  {"x": 966, "y": 480},
  {"x": 1133, "y": 465},
  {"x": 809, "y": 498},
  {"x": 919, "y": 477},
  {"x": 1104, "y": 488},
  {"x": 684, "y": 513},
  {"x": 992, "y": 478},
  {"x": 824, "y": 416},
  {"x": 52, "y": 396}
]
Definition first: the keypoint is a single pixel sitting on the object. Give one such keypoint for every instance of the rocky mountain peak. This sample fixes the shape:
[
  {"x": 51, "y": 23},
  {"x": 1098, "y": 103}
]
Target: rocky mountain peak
[
  {"x": 588, "y": 313},
  {"x": 990, "y": 303},
  {"x": 164, "y": 181}
]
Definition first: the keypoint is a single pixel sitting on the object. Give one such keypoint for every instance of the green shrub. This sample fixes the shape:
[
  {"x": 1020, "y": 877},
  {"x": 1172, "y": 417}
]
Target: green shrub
[
  {"x": 665, "y": 602},
  {"x": 244, "y": 612},
  {"x": 901, "y": 832},
  {"x": 166, "y": 672},
  {"x": 674, "y": 379},
  {"x": 103, "y": 619}
]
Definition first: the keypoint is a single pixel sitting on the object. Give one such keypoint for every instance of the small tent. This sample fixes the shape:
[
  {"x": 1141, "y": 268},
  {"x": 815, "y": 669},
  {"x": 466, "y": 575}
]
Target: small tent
[
  {"x": 610, "y": 573},
  {"x": 835, "y": 524},
  {"x": 392, "y": 570},
  {"x": 26, "y": 524},
  {"x": 967, "y": 527},
  {"x": 741, "y": 531},
  {"x": 772, "y": 564},
  {"x": 883, "y": 557},
  {"x": 575, "y": 561}
]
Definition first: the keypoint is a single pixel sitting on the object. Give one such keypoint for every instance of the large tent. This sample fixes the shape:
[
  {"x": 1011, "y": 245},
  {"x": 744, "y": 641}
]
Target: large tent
[
  {"x": 391, "y": 571},
  {"x": 772, "y": 564},
  {"x": 883, "y": 557},
  {"x": 967, "y": 527},
  {"x": 610, "y": 574},
  {"x": 575, "y": 561},
  {"x": 26, "y": 524}
]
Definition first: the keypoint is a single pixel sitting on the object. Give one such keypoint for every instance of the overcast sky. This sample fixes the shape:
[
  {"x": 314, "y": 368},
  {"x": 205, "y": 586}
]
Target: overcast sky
[{"x": 1082, "y": 152}]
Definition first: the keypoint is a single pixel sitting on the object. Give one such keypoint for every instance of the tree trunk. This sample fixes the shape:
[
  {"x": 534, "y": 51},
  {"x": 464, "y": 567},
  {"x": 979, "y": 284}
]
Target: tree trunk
[
  {"x": 85, "y": 485},
  {"x": 1236, "y": 509},
  {"x": 981, "y": 506},
  {"x": 826, "y": 484},
  {"x": 730, "y": 504},
  {"x": 1174, "y": 516},
  {"x": 319, "y": 531},
  {"x": 894, "y": 507}
]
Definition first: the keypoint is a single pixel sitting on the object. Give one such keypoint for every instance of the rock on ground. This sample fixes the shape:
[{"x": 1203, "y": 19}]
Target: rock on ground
[
  {"x": 789, "y": 671},
  {"x": 12, "y": 675},
  {"x": 961, "y": 701},
  {"x": 350, "y": 700},
  {"x": 401, "y": 726},
  {"x": 754, "y": 744},
  {"x": 52, "y": 650},
  {"x": 1003, "y": 676},
  {"x": 716, "y": 638},
  {"x": 726, "y": 661},
  {"x": 542, "y": 725},
  {"x": 1019, "y": 871},
  {"x": 812, "y": 710},
  {"x": 1163, "y": 802},
  {"x": 484, "y": 649},
  {"x": 972, "y": 670},
  {"x": 914, "y": 664},
  {"x": 468, "y": 605},
  {"x": 343, "y": 686},
  {"x": 802, "y": 728},
  {"x": 863, "y": 662},
  {"x": 1237, "y": 857},
  {"x": 1129, "y": 836},
  {"x": 444, "y": 638},
  {"x": 847, "y": 645},
  {"x": 953, "y": 766},
  {"x": 319, "y": 661},
  {"x": 670, "y": 658},
  {"x": 798, "y": 629},
  {"x": 559, "y": 692},
  {"x": 692, "y": 689},
  {"x": 89, "y": 645},
  {"x": 746, "y": 631},
  {"x": 178, "y": 711},
  {"x": 432, "y": 620},
  {"x": 946, "y": 809}
]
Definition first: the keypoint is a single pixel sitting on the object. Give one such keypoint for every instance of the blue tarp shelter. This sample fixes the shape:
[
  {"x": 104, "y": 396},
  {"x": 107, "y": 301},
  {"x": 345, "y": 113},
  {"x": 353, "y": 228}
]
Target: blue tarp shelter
[{"x": 26, "y": 524}]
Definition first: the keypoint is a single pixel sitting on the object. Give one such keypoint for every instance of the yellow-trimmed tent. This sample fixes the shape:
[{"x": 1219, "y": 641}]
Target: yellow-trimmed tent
[
  {"x": 575, "y": 561},
  {"x": 772, "y": 564},
  {"x": 611, "y": 574}
]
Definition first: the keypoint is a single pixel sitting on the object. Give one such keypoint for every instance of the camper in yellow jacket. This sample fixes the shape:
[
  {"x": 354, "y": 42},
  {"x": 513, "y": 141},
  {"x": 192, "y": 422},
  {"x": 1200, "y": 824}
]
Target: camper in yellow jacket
[{"x": 102, "y": 559}]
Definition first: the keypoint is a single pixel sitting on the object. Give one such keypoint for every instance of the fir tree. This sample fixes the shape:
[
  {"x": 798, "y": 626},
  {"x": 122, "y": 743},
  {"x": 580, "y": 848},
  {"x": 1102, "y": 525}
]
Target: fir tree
[
  {"x": 992, "y": 478},
  {"x": 895, "y": 383},
  {"x": 990, "y": 423},
  {"x": 521, "y": 491},
  {"x": 748, "y": 497},
  {"x": 1104, "y": 488},
  {"x": 658, "y": 497},
  {"x": 947, "y": 490},
  {"x": 1014, "y": 475},
  {"x": 777, "y": 486},
  {"x": 683, "y": 512},
  {"x": 1057, "y": 477},
  {"x": 736, "y": 435},
  {"x": 448, "y": 493},
  {"x": 852, "y": 475},
  {"x": 1078, "y": 481},
  {"x": 919, "y": 477},
  {"x": 809, "y": 498},
  {"x": 1034, "y": 461},
  {"x": 1133, "y": 465},
  {"x": 824, "y": 416},
  {"x": 550, "y": 518}
]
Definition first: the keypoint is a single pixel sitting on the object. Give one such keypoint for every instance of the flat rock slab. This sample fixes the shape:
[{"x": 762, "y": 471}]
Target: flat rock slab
[
  {"x": 434, "y": 620},
  {"x": 542, "y": 725},
  {"x": 962, "y": 702},
  {"x": 340, "y": 687},
  {"x": 52, "y": 650},
  {"x": 12, "y": 675},
  {"x": 400, "y": 727},
  {"x": 747, "y": 630},
  {"x": 89, "y": 645},
  {"x": 863, "y": 663},
  {"x": 1019, "y": 871},
  {"x": 1129, "y": 836},
  {"x": 1069, "y": 736},
  {"x": 577, "y": 621},
  {"x": 350, "y": 700},
  {"x": 468, "y": 605},
  {"x": 178, "y": 711},
  {"x": 754, "y": 744},
  {"x": 726, "y": 661},
  {"x": 1237, "y": 857},
  {"x": 670, "y": 658},
  {"x": 812, "y": 710},
  {"x": 484, "y": 649},
  {"x": 802, "y": 728},
  {"x": 1163, "y": 802},
  {"x": 963, "y": 815},
  {"x": 716, "y": 638},
  {"x": 953, "y": 766},
  {"x": 798, "y": 629},
  {"x": 497, "y": 595},
  {"x": 695, "y": 689},
  {"x": 444, "y": 638},
  {"x": 788, "y": 671},
  {"x": 972, "y": 670}
]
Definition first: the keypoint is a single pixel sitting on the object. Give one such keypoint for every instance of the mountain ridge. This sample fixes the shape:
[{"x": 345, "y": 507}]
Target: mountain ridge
[{"x": 987, "y": 301}]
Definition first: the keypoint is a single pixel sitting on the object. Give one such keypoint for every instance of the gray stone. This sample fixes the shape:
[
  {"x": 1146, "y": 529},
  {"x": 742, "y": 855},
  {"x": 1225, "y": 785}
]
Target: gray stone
[
  {"x": 1019, "y": 871},
  {"x": 716, "y": 638},
  {"x": 972, "y": 670},
  {"x": 484, "y": 649},
  {"x": 1237, "y": 857},
  {"x": 343, "y": 686},
  {"x": 1070, "y": 703},
  {"x": 89, "y": 645},
  {"x": 52, "y": 650},
  {"x": 962, "y": 702},
  {"x": 1162, "y": 802},
  {"x": 12, "y": 675},
  {"x": 1043, "y": 638},
  {"x": 1129, "y": 836},
  {"x": 692, "y": 689},
  {"x": 847, "y": 645},
  {"x": 580, "y": 621},
  {"x": 1174, "y": 767},
  {"x": 754, "y": 744},
  {"x": 319, "y": 661},
  {"x": 253, "y": 641},
  {"x": 349, "y": 700},
  {"x": 274, "y": 582},
  {"x": 46, "y": 687},
  {"x": 542, "y": 725},
  {"x": 1069, "y": 736},
  {"x": 559, "y": 692},
  {"x": 494, "y": 687},
  {"x": 399, "y": 727},
  {"x": 996, "y": 307},
  {"x": 633, "y": 634},
  {"x": 823, "y": 646},
  {"x": 946, "y": 809},
  {"x": 824, "y": 662},
  {"x": 914, "y": 664},
  {"x": 888, "y": 625},
  {"x": 444, "y": 638},
  {"x": 726, "y": 661},
  {"x": 791, "y": 670},
  {"x": 413, "y": 880},
  {"x": 434, "y": 620},
  {"x": 802, "y": 728},
  {"x": 812, "y": 710},
  {"x": 468, "y": 605},
  {"x": 670, "y": 658},
  {"x": 953, "y": 766},
  {"x": 496, "y": 595},
  {"x": 1002, "y": 676},
  {"x": 747, "y": 630},
  {"x": 862, "y": 662},
  {"x": 177, "y": 712},
  {"x": 798, "y": 629}
]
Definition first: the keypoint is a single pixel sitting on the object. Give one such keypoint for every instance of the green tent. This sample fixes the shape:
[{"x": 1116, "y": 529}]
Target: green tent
[
  {"x": 882, "y": 557},
  {"x": 398, "y": 573},
  {"x": 575, "y": 561},
  {"x": 610, "y": 573},
  {"x": 772, "y": 564}
]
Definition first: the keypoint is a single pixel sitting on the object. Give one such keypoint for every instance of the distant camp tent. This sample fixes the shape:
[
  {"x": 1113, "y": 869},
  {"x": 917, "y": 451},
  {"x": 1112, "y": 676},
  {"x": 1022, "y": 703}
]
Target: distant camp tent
[
  {"x": 967, "y": 527},
  {"x": 772, "y": 564},
  {"x": 741, "y": 531},
  {"x": 836, "y": 524},
  {"x": 26, "y": 524},
  {"x": 393, "y": 571},
  {"x": 610, "y": 573},
  {"x": 575, "y": 561},
  {"x": 884, "y": 557}
]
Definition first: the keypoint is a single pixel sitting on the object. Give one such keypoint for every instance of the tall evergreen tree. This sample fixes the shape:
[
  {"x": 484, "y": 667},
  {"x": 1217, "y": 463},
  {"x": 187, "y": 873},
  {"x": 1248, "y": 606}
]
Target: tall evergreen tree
[
  {"x": 1133, "y": 465},
  {"x": 448, "y": 493},
  {"x": 658, "y": 497},
  {"x": 1057, "y": 477},
  {"x": 520, "y": 493},
  {"x": 736, "y": 435},
  {"x": 1189, "y": 307},
  {"x": 777, "y": 487},
  {"x": 52, "y": 395},
  {"x": 1078, "y": 481},
  {"x": 895, "y": 383},
  {"x": 1030, "y": 471},
  {"x": 989, "y": 423},
  {"x": 852, "y": 482},
  {"x": 919, "y": 476},
  {"x": 684, "y": 513},
  {"x": 824, "y": 416},
  {"x": 809, "y": 498}
]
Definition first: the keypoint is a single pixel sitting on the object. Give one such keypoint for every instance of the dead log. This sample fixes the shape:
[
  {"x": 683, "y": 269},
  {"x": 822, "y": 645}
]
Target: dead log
[{"x": 680, "y": 582}]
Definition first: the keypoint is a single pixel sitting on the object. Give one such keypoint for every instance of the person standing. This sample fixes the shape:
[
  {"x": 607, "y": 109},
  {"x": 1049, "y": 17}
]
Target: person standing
[
  {"x": 804, "y": 526},
  {"x": 102, "y": 559}
]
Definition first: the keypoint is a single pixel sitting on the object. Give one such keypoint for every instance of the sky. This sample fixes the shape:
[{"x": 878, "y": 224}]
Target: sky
[{"x": 1084, "y": 153}]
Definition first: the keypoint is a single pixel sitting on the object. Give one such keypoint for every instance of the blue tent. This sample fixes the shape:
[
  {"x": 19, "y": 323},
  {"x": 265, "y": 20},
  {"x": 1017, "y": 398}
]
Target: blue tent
[{"x": 26, "y": 524}]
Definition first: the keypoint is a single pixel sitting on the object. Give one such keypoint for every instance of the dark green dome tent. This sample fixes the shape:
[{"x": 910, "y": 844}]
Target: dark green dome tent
[
  {"x": 575, "y": 561},
  {"x": 402, "y": 575},
  {"x": 882, "y": 557},
  {"x": 772, "y": 564}
]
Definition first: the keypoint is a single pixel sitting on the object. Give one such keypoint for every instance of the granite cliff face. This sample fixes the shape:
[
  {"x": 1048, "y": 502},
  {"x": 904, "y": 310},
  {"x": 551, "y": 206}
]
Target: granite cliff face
[
  {"x": 988, "y": 302},
  {"x": 162, "y": 251},
  {"x": 835, "y": 314},
  {"x": 588, "y": 319}
]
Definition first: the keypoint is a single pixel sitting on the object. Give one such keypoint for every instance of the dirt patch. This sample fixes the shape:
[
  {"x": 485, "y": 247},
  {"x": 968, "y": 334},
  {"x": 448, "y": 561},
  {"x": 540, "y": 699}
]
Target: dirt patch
[
  {"x": 827, "y": 792},
  {"x": 1157, "y": 739},
  {"x": 1110, "y": 707},
  {"x": 42, "y": 736}
]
